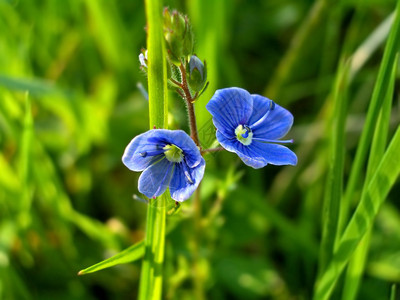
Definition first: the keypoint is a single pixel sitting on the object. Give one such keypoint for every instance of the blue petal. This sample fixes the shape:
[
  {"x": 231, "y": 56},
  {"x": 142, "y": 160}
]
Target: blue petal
[
  {"x": 259, "y": 154},
  {"x": 156, "y": 178},
  {"x": 260, "y": 107},
  {"x": 276, "y": 125},
  {"x": 230, "y": 144},
  {"x": 180, "y": 188},
  {"x": 272, "y": 153},
  {"x": 156, "y": 139},
  {"x": 229, "y": 108},
  {"x": 246, "y": 153},
  {"x": 133, "y": 158},
  {"x": 181, "y": 139}
]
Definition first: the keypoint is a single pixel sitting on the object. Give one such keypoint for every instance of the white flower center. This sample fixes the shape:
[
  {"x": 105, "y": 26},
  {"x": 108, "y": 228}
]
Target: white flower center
[
  {"x": 244, "y": 134},
  {"x": 173, "y": 153}
]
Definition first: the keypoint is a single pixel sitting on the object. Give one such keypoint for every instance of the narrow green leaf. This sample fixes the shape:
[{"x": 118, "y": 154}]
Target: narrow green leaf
[
  {"x": 370, "y": 44},
  {"x": 25, "y": 165},
  {"x": 371, "y": 200},
  {"x": 393, "y": 292},
  {"x": 316, "y": 15},
  {"x": 357, "y": 263},
  {"x": 33, "y": 86},
  {"x": 380, "y": 88},
  {"x": 334, "y": 187},
  {"x": 128, "y": 255}
]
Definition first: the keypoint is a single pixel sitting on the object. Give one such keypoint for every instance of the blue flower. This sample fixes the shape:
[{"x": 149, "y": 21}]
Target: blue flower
[
  {"x": 251, "y": 126},
  {"x": 168, "y": 158}
]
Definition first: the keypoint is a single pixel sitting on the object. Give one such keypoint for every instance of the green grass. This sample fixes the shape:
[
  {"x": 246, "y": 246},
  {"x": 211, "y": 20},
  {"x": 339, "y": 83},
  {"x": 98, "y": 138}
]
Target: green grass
[{"x": 325, "y": 229}]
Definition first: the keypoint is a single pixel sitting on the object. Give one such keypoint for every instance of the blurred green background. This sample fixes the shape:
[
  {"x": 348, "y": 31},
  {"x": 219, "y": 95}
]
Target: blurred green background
[{"x": 69, "y": 105}]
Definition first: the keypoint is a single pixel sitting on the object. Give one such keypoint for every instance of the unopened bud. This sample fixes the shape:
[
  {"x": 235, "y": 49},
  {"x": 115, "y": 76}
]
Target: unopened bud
[
  {"x": 178, "y": 35},
  {"x": 197, "y": 73}
]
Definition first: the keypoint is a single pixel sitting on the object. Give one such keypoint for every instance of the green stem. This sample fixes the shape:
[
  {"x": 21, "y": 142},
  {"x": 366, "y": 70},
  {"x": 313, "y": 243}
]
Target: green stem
[
  {"x": 189, "y": 99},
  {"x": 198, "y": 278},
  {"x": 157, "y": 68},
  {"x": 151, "y": 274}
]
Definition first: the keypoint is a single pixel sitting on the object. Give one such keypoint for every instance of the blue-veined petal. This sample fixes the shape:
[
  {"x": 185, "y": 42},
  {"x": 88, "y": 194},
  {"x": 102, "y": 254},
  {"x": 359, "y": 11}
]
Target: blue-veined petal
[
  {"x": 261, "y": 105},
  {"x": 229, "y": 144},
  {"x": 246, "y": 153},
  {"x": 135, "y": 157},
  {"x": 259, "y": 154},
  {"x": 183, "y": 185},
  {"x": 229, "y": 108},
  {"x": 277, "y": 123},
  {"x": 274, "y": 154},
  {"x": 156, "y": 178}
]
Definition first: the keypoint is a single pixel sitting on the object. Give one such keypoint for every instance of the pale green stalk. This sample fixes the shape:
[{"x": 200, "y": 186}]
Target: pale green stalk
[{"x": 151, "y": 276}]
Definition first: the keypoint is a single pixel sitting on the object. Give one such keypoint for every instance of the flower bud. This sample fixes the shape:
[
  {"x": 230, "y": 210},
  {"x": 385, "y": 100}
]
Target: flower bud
[
  {"x": 178, "y": 35},
  {"x": 197, "y": 74}
]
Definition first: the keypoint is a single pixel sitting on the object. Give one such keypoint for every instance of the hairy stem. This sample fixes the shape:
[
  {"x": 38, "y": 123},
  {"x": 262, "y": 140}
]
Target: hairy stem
[
  {"x": 184, "y": 92},
  {"x": 210, "y": 150},
  {"x": 187, "y": 96}
]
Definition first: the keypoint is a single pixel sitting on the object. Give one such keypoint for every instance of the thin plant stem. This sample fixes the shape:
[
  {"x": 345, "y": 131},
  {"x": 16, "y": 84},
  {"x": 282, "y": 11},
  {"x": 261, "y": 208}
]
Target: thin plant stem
[
  {"x": 198, "y": 279},
  {"x": 212, "y": 150},
  {"x": 187, "y": 96},
  {"x": 197, "y": 276}
]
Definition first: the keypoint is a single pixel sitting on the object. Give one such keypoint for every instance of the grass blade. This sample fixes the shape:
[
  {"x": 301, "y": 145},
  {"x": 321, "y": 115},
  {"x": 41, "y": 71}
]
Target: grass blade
[
  {"x": 371, "y": 200},
  {"x": 393, "y": 292},
  {"x": 378, "y": 96},
  {"x": 33, "y": 86},
  {"x": 316, "y": 14},
  {"x": 357, "y": 262},
  {"x": 128, "y": 255},
  {"x": 334, "y": 187},
  {"x": 25, "y": 164}
]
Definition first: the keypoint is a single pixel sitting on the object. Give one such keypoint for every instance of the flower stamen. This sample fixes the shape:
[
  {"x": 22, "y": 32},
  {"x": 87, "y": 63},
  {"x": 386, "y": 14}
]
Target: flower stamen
[
  {"x": 173, "y": 153},
  {"x": 244, "y": 134},
  {"x": 151, "y": 153},
  {"x": 187, "y": 174}
]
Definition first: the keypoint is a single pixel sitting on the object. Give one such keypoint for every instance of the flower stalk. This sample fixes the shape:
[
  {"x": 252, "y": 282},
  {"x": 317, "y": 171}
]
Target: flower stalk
[
  {"x": 151, "y": 278},
  {"x": 187, "y": 96}
]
